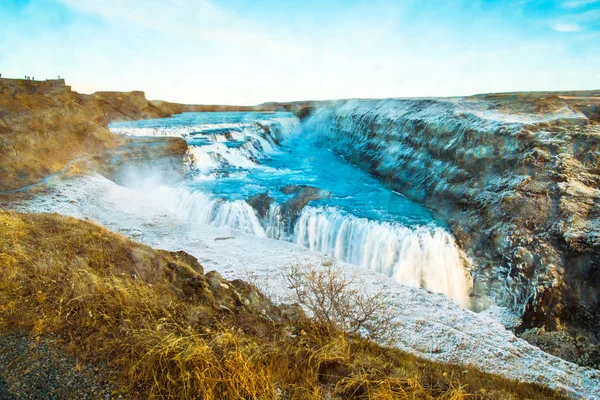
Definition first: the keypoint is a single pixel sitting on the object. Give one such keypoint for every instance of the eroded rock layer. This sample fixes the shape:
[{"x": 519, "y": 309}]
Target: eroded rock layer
[{"x": 515, "y": 176}]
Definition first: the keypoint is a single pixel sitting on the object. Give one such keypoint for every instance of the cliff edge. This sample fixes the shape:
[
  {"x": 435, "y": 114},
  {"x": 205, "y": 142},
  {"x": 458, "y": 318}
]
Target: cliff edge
[
  {"x": 515, "y": 176},
  {"x": 45, "y": 127}
]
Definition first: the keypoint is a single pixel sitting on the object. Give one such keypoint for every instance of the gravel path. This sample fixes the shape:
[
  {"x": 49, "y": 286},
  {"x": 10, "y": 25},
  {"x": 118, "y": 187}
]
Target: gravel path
[{"x": 40, "y": 369}]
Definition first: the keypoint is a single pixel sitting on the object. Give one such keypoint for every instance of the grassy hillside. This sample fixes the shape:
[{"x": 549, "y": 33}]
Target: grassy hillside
[{"x": 171, "y": 331}]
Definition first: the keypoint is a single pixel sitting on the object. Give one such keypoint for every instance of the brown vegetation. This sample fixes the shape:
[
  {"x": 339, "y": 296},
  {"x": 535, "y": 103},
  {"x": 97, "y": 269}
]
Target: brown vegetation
[
  {"x": 47, "y": 125},
  {"x": 174, "y": 332},
  {"x": 332, "y": 298}
]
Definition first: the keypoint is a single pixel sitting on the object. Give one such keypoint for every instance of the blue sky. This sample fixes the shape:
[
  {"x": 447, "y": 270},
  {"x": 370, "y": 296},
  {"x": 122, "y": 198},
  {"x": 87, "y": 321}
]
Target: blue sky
[{"x": 250, "y": 51}]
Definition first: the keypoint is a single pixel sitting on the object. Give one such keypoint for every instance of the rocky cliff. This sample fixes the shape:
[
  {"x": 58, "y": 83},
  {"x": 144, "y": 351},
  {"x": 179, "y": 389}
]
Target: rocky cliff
[
  {"x": 44, "y": 126},
  {"x": 515, "y": 176}
]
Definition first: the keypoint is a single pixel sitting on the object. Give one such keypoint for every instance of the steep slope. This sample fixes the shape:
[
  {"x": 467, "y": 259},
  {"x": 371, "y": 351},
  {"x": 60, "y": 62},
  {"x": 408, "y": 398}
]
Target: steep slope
[
  {"x": 170, "y": 330},
  {"x": 47, "y": 117}
]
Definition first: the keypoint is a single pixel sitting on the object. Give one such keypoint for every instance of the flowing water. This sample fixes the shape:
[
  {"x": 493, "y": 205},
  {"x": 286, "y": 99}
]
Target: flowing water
[{"x": 354, "y": 217}]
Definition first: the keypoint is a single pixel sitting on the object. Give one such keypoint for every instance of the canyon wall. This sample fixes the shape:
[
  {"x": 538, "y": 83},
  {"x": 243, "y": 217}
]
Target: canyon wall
[{"x": 515, "y": 176}]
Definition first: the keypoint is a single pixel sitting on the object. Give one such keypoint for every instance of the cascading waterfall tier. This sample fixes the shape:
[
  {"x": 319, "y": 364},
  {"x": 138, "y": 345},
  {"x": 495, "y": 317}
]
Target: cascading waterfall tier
[
  {"x": 425, "y": 257},
  {"x": 220, "y": 148},
  {"x": 362, "y": 223},
  {"x": 200, "y": 208}
]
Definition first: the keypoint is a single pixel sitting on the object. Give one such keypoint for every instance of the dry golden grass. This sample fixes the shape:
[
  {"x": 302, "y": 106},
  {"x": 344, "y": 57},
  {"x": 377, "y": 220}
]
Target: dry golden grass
[
  {"x": 45, "y": 148},
  {"x": 155, "y": 317},
  {"x": 43, "y": 126},
  {"x": 43, "y": 140}
]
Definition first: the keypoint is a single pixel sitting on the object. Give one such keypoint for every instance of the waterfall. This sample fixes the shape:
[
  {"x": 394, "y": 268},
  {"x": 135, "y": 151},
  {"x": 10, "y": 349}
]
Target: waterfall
[
  {"x": 423, "y": 257},
  {"x": 417, "y": 253},
  {"x": 220, "y": 148},
  {"x": 274, "y": 224},
  {"x": 199, "y": 208}
]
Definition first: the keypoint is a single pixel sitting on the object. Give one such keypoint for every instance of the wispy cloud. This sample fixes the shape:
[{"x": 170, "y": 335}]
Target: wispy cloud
[
  {"x": 578, "y": 21},
  {"x": 198, "y": 19},
  {"x": 566, "y": 27},
  {"x": 578, "y": 3}
]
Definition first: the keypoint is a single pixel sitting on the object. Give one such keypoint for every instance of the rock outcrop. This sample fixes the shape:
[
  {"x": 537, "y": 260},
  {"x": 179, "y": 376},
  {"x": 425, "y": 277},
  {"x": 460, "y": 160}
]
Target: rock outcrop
[
  {"x": 261, "y": 203},
  {"x": 516, "y": 177},
  {"x": 162, "y": 157},
  {"x": 126, "y": 106},
  {"x": 290, "y": 209},
  {"x": 45, "y": 125},
  {"x": 303, "y": 194}
]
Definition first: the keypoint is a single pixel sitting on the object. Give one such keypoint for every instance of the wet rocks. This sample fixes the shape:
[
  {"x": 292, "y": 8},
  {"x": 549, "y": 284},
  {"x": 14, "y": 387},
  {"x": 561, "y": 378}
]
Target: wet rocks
[
  {"x": 261, "y": 204},
  {"x": 290, "y": 209},
  {"x": 303, "y": 194}
]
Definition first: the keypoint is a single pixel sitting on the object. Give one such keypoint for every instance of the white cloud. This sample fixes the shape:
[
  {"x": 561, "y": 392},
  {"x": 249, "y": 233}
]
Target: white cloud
[
  {"x": 578, "y": 3},
  {"x": 198, "y": 19},
  {"x": 578, "y": 21},
  {"x": 566, "y": 27}
]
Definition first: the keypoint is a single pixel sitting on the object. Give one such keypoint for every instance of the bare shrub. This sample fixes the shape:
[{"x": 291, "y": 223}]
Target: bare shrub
[
  {"x": 264, "y": 285},
  {"x": 334, "y": 297}
]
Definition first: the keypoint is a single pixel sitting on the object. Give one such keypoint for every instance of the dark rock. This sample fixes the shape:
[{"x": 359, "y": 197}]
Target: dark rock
[
  {"x": 304, "y": 112},
  {"x": 187, "y": 275},
  {"x": 261, "y": 204},
  {"x": 304, "y": 194}
]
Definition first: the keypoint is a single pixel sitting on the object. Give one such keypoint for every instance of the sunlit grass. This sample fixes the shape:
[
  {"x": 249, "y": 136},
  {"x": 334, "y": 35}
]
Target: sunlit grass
[
  {"x": 48, "y": 130},
  {"x": 151, "y": 315}
]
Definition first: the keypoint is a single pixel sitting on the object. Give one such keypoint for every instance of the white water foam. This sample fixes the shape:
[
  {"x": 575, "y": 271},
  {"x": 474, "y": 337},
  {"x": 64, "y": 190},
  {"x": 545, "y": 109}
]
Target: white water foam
[
  {"x": 422, "y": 257},
  {"x": 197, "y": 207},
  {"x": 253, "y": 141}
]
